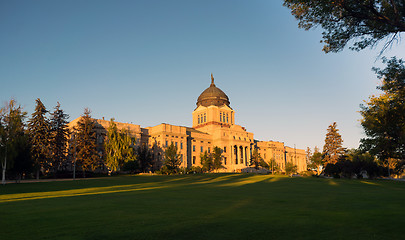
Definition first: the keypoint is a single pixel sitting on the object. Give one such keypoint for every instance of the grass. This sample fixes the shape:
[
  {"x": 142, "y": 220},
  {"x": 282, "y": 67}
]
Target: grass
[{"x": 212, "y": 206}]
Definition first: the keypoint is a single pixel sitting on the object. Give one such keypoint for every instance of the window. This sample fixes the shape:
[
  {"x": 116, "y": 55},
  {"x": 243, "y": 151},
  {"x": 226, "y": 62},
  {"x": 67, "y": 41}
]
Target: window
[
  {"x": 202, "y": 150},
  {"x": 220, "y": 116},
  {"x": 227, "y": 117},
  {"x": 193, "y": 148},
  {"x": 175, "y": 144},
  {"x": 223, "y": 117},
  {"x": 209, "y": 150},
  {"x": 205, "y": 117},
  {"x": 166, "y": 143},
  {"x": 225, "y": 160},
  {"x": 181, "y": 145},
  {"x": 193, "y": 159},
  {"x": 198, "y": 119},
  {"x": 224, "y": 149}
]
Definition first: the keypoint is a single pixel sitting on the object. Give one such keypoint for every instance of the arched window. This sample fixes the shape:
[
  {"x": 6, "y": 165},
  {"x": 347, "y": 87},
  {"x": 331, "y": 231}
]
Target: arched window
[{"x": 220, "y": 116}]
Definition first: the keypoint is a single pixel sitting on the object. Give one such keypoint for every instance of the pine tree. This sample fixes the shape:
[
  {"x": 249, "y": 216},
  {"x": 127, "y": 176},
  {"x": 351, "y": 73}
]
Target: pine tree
[
  {"x": 39, "y": 131},
  {"x": 332, "y": 149},
  {"x": 86, "y": 146},
  {"x": 206, "y": 162},
  {"x": 59, "y": 139},
  {"x": 145, "y": 158},
  {"x": 172, "y": 159},
  {"x": 217, "y": 158},
  {"x": 256, "y": 159}
]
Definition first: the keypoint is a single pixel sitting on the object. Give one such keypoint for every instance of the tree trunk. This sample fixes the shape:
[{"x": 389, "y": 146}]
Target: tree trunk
[{"x": 3, "y": 179}]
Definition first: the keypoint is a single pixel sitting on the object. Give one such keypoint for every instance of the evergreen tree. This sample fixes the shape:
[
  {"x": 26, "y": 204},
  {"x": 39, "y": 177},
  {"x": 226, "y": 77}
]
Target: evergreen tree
[
  {"x": 86, "y": 142},
  {"x": 145, "y": 158},
  {"x": 23, "y": 163},
  {"x": 128, "y": 146},
  {"x": 217, "y": 158},
  {"x": 59, "y": 139},
  {"x": 332, "y": 149},
  {"x": 172, "y": 159},
  {"x": 12, "y": 134},
  {"x": 39, "y": 131},
  {"x": 256, "y": 159},
  {"x": 206, "y": 162}
]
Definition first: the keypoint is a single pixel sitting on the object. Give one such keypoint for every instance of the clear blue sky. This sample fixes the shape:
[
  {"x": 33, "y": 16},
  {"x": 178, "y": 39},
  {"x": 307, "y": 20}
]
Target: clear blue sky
[{"x": 146, "y": 62}]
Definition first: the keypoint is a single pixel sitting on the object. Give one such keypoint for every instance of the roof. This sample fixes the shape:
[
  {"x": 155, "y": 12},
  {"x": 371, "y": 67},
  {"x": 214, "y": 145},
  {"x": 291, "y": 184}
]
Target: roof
[{"x": 213, "y": 96}]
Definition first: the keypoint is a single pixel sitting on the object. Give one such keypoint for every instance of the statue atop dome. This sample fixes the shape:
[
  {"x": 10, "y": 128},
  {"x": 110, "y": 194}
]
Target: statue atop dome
[{"x": 212, "y": 80}]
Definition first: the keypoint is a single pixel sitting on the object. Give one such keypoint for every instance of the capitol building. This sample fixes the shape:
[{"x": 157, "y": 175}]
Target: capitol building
[{"x": 214, "y": 125}]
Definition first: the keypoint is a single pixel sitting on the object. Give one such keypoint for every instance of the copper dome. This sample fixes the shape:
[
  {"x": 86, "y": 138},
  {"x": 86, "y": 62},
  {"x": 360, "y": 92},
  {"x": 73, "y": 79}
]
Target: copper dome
[{"x": 212, "y": 96}]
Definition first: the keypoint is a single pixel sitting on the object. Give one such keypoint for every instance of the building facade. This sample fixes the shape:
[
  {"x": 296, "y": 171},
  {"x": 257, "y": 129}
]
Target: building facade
[{"x": 213, "y": 126}]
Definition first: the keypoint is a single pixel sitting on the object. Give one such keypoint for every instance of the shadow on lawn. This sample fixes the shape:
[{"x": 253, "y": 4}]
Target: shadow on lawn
[{"x": 183, "y": 181}]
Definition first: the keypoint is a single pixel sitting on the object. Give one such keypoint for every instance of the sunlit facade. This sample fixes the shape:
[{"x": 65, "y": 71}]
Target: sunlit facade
[{"x": 213, "y": 126}]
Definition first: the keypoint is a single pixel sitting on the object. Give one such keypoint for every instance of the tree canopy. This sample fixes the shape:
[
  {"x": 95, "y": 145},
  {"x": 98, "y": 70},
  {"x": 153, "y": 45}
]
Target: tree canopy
[
  {"x": 86, "y": 147},
  {"x": 59, "y": 137},
  {"x": 332, "y": 149},
  {"x": 217, "y": 158},
  {"x": 12, "y": 135},
  {"x": 365, "y": 22},
  {"x": 383, "y": 116},
  {"x": 172, "y": 159},
  {"x": 39, "y": 130}
]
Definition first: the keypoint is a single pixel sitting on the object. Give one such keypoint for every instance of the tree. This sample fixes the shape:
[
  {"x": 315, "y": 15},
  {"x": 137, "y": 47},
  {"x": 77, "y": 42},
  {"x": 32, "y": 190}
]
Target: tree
[
  {"x": 39, "y": 131},
  {"x": 255, "y": 159},
  {"x": 206, "y": 162},
  {"x": 112, "y": 147},
  {"x": 290, "y": 168},
  {"x": 145, "y": 158},
  {"x": 118, "y": 147},
  {"x": 86, "y": 147},
  {"x": 12, "y": 134},
  {"x": 273, "y": 166},
  {"x": 217, "y": 158},
  {"x": 332, "y": 149},
  {"x": 172, "y": 159},
  {"x": 383, "y": 116},
  {"x": 308, "y": 155},
  {"x": 23, "y": 163},
  {"x": 59, "y": 137},
  {"x": 316, "y": 161},
  {"x": 365, "y": 23}
]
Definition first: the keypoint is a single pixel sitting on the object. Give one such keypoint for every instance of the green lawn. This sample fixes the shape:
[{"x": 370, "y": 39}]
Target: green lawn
[{"x": 212, "y": 206}]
